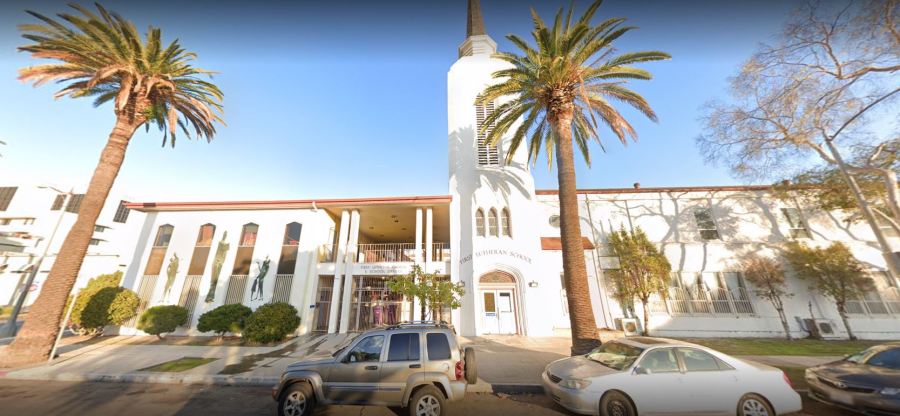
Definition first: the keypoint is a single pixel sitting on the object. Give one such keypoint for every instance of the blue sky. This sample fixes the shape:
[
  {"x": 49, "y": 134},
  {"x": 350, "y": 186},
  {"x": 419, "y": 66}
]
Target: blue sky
[{"x": 348, "y": 98}]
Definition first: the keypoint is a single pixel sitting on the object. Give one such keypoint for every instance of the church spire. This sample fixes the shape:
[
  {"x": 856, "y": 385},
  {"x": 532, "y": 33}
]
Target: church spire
[
  {"x": 474, "y": 23},
  {"x": 477, "y": 40}
]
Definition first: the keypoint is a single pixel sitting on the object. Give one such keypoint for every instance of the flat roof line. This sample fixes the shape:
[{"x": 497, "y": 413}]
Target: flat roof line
[
  {"x": 287, "y": 203},
  {"x": 664, "y": 189}
]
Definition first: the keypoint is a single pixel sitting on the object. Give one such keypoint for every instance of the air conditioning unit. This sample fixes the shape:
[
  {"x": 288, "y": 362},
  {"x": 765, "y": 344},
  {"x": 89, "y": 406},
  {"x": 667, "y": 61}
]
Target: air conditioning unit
[
  {"x": 627, "y": 325},
  {"x": 820, "y": 329}
]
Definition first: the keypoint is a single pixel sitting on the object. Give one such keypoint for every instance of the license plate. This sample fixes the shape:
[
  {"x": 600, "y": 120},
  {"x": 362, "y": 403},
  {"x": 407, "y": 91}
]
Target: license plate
[{"x": 841, "y": 397}]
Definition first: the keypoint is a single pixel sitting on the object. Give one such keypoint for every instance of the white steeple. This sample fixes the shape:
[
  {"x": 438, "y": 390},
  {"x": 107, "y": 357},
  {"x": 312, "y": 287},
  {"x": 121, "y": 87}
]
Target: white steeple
[{"x": 477, "y": 41}]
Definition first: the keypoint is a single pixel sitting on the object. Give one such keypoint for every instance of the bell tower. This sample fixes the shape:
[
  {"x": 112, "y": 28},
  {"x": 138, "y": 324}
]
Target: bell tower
[{"x": 493, "y": 196}]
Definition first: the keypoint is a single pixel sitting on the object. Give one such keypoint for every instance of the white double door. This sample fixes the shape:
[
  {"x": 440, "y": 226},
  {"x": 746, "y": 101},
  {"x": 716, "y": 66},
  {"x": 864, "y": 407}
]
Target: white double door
[{"x": 498, "y": 311}]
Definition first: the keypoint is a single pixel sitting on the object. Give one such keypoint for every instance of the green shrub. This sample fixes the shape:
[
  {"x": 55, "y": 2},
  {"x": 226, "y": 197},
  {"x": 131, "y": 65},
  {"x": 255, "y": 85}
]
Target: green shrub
[
  {"x": 93, "y": 286},
  {"x": 109, "y": 306},
  {"x": 162, "y": 319},
  {"x": 271, "y": 323},
  {"x": 225, "y": 318},
  {"x": 102, "y": 302}
]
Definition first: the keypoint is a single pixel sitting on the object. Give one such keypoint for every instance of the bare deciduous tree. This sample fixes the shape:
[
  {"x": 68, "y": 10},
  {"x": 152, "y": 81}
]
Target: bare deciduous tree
[
  {"x": 767, "y": 276},
  {"x": 825, "y": 86}
]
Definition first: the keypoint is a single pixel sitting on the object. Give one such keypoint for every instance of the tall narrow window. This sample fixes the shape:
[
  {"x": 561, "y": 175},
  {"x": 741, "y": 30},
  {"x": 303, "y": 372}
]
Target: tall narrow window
[
  {"x": 58, "y": 202},
  {"x": 705, "y": 224},
  {"x": 487, "y": 155},
  {"x": 6, "y": 196},
  {"x": 479, "y": 223},
  {"x": 158, "y": 251},
  {"x": 289, "y": 248},
  {"x": 121, "y": 213},
  {"x": 795, "y": 222},
  {"x": 493, "y": 229},
  {"x": 504, "y": 223},
  {"x": 201, "y": 250},
  {"x": 244, "y": 256},
  {"x": 74, "y": 204}
]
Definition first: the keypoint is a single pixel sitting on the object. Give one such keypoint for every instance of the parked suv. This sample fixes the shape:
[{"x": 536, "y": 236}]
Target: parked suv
[{"x": 415, "y": 365}]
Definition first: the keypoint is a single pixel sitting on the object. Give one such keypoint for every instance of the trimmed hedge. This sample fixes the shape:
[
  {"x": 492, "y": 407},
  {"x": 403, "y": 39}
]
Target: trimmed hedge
[
  {"x": 162, "y": 319},
  {"x": 225, "y": 318},
  {"x": 102, "y": 302},
  {"x": 271, "y": 323}
]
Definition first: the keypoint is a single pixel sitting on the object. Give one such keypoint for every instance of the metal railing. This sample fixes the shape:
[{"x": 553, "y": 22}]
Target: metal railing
[
  {"x": 887, "y": 303},
  {"x": 237, "y": 283},
  {"x": 440, "y": 251},
  {"x": 388, "y": 252},
  {"x": 712, "y": 302},
  {"x": 144, "y": 292},
  {"x": 189, "y": 294},
  {"x": 282, "y": 291}
]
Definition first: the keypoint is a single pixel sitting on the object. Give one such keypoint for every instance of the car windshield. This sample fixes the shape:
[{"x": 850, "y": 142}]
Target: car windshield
[
  {"x": 615, "y": 355},
  {"x": 860, "y": 357},
  {"x": 343, "y": 345}
]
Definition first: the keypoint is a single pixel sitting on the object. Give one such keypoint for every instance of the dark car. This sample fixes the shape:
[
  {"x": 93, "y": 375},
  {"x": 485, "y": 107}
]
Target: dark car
[{"x": 867, "y": 382}]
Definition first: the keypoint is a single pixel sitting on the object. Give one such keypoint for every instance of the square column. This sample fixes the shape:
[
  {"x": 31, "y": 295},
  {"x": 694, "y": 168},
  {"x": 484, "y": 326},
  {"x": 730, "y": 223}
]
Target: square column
[
  {"x": 352, "y": 241},
  {"x": 429, "y": 235},
  {"x": 340, "y": 254},
  {"x": 418, "y": 257}
]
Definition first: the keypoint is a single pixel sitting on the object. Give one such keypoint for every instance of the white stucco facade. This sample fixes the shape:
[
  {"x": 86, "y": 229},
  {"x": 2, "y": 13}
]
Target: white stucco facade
[{"x": 493, "y": 234}]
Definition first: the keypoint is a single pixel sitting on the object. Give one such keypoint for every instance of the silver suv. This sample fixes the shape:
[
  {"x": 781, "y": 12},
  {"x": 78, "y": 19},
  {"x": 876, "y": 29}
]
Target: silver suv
[{"x": 416, "y": 365}]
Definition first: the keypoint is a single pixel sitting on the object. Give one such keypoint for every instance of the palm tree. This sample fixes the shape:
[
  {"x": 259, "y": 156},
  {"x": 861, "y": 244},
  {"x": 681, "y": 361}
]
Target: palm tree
[
  {"x": 562, "y": 88},
  {"x": 103, "y": 56}
]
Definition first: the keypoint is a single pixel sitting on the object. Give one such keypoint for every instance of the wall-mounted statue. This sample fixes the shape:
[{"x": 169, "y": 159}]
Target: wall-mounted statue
[
  {"x": 171, "y": 271},
  {"x": 218, "y": 261},
  {"x": 256, "y": 292}
]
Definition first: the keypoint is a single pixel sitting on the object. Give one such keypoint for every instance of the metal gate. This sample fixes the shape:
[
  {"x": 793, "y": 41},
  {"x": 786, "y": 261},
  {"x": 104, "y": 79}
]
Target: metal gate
[{"x": 373, "y": 304}]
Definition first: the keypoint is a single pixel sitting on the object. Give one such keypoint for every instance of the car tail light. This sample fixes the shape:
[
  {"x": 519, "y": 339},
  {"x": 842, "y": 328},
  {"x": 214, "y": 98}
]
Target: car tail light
[
  {"x": 787, "y": 380},
  {"x": 459, "y": 370}
]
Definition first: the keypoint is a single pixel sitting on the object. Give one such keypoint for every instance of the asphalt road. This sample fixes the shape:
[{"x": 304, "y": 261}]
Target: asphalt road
[{"x": 70, "y": 398}]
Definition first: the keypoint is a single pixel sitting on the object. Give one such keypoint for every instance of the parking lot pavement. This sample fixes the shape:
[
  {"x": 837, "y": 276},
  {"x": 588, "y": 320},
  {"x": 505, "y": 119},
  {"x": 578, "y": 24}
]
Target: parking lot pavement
[{"x": 21, "y": 397}]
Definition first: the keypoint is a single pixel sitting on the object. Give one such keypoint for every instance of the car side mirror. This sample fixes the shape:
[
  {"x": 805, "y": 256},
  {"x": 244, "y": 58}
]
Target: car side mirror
[{"x": 641, "y": 370}]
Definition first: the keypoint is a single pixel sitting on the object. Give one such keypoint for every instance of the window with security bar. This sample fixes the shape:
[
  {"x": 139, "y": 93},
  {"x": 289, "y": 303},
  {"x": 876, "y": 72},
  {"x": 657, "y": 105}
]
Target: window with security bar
[
  {"x": 706, "y": 224},
  {"x": 487, "y": 155}
]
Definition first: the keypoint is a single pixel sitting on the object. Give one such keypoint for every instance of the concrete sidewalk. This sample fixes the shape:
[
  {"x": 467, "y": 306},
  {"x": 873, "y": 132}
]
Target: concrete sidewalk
[{"x": 505, "y": 363}]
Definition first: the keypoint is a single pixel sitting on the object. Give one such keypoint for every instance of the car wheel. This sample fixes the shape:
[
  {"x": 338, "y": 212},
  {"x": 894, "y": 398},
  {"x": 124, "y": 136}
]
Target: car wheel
[
  {"x": 471, "y": 370},
  {"x": 297, "y": 400},
  {"x": 427, "y": 401},
  {"x": 754, "y": 405},
  {"x": 616, "y": 403}
]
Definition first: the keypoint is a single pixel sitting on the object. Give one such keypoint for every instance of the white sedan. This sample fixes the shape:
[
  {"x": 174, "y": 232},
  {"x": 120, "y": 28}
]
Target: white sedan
[{"x": 657, "y": 376}]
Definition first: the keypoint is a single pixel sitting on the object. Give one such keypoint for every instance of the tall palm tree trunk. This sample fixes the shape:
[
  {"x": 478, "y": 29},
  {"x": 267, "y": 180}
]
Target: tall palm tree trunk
[
  {"x": 34, "y": 341},
  {"x": 581, "y": 314}
]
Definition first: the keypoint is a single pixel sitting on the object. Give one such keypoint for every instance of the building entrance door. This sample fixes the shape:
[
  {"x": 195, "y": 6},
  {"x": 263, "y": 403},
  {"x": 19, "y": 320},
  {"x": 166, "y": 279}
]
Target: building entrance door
[{"x": 499, "y": 316}]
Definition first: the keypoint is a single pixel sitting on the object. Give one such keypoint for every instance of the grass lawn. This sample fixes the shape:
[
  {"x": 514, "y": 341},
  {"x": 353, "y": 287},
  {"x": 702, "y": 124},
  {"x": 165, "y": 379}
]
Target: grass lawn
[
  {"x": 777, "y": 346},
  {"x": 181, "y": 364},
  {"x": 188, "y": 341}
]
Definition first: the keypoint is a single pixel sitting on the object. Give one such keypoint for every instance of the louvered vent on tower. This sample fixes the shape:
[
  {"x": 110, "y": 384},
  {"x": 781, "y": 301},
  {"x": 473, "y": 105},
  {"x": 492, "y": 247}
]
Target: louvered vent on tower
[{"x": 487, "y": 155}]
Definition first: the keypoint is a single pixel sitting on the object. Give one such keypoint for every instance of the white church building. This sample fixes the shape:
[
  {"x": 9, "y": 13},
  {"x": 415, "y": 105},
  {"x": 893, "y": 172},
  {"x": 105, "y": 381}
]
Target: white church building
[{"x": 497, "y": 236}]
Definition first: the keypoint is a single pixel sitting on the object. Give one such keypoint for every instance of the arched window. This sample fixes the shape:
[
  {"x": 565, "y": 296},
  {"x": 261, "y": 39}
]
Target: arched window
[
  {"x": 201, "y": 250},
  {"x": 487, "y": 155},
  {"x": 479, "y": 223},
  {"x": 493, "y": 229},
  {"x": 289, "y": 248},
  {"x": 244, "y": 256},
  {"x": 504, "y": 223},
  {"x": 158, "y": 251}
]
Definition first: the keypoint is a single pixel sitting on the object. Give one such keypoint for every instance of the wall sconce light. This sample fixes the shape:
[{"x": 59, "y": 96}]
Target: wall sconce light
[
  {"x": 462, "y": 284},
  {"x": 532, "y": 284}
]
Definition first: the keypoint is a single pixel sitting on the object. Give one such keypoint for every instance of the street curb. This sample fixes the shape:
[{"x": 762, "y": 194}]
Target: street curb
[{"x": 219, "y": 380}]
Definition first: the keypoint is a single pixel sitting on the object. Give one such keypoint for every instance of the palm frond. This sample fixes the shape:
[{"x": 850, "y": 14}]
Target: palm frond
[{"x": 100, "y": 54}]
